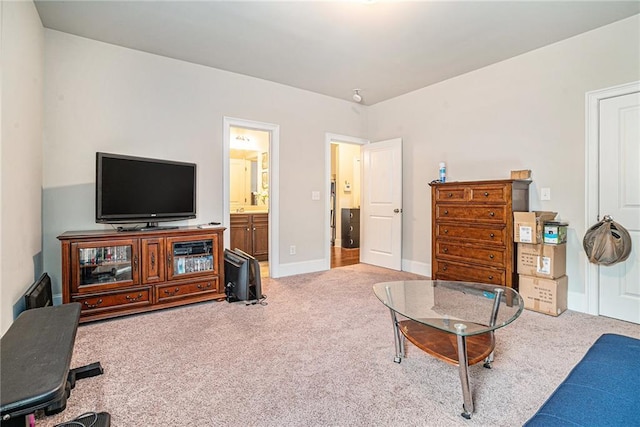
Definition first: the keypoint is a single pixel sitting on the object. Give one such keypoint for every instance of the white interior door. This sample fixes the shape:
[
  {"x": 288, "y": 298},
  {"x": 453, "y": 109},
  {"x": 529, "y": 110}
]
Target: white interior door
[
  {"x": 381, "y": 213},
  {"x": 237, "y": 191},
  {"x": 619, "y": 291}
]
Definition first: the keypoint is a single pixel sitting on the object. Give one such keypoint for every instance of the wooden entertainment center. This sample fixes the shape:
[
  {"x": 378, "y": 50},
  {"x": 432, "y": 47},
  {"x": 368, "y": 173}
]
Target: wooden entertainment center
[{"x": 113, "y": 273}]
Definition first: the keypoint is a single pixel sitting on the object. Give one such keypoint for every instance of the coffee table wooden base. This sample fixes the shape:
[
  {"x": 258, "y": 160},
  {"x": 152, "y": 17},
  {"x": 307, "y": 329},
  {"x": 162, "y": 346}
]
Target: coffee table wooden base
[{"x": 444, "y": 346}]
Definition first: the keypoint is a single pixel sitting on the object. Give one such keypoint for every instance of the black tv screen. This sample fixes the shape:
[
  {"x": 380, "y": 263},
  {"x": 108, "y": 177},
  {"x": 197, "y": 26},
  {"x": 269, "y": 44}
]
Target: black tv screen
[{"x": 135, "y": 189}]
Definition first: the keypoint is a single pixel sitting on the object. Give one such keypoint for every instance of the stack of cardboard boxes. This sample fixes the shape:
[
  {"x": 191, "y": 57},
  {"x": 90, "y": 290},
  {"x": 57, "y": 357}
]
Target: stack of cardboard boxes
[{"x": 541, "y": 261}]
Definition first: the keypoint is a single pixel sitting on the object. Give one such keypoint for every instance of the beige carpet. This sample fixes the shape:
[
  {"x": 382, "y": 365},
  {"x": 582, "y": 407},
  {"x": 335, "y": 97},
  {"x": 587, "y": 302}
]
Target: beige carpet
[{"x": 319, "y": 354}]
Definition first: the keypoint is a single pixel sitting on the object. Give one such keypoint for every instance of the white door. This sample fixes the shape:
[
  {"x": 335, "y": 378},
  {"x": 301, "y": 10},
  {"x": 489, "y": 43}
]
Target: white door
[
  {"x": 381, "y": 213},
  {"x": 237, "y": 191},
  {"x": 619, "y": 190}
]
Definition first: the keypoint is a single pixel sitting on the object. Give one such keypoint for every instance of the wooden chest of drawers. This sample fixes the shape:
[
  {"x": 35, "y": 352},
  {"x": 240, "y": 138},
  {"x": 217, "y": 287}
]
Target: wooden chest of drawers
[{"x": 472, "y": 230}]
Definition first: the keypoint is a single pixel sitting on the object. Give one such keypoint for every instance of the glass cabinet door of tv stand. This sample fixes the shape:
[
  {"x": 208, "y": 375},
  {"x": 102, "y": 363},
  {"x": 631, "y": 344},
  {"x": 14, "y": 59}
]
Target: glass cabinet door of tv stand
[
  {"x": 105, "y": 264},
  {"x": 192, "y": 257}
]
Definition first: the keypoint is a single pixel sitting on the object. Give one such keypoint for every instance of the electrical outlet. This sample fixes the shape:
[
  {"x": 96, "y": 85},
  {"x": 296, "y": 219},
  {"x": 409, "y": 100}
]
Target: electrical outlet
[
  {"x": 292, "y": 250},
  {"x": 545, "y": 194}
]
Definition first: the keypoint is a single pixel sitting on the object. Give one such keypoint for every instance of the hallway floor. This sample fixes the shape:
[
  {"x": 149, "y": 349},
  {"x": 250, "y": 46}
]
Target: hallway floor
[{"x": 340, "y": 257}]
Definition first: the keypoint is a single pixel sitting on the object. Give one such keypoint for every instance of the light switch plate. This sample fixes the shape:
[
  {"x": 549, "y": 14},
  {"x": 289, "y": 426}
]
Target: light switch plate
[
  {"x": 545, "y": 194},
  {"x": 315, "y": 195}
]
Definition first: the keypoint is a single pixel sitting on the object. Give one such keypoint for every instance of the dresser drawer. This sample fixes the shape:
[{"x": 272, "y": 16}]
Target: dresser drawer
[
  {"x": 172, "y": 292},
  {"x": 445, "y": 270},
  {"x": 465, "y": 253},
  {"x": 497, "y": 214},
  {"x": 113, "y": 301},
  {"x": 489, "y": 193},
  {"x": 477, "y": 233},
  {"x": 451, "y": 194}
]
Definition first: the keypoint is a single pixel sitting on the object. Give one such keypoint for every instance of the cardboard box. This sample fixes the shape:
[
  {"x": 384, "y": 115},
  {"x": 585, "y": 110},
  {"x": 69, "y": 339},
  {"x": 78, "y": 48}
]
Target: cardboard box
[
  {"x": 529, "y": 226},
  {"x": 548, "y": 296},
  {"x": 555, "y": 233},
  {"x": 521, "y": 174},
  {"x": 548, "y": 261}
]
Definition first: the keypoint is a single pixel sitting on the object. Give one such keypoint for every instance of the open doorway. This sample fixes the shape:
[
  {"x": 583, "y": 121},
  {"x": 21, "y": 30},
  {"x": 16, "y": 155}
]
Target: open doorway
[
  {"x": 250, "y": 150},
  {"x": 344, "y": 182},
  {"x": 249, "y": 193}
]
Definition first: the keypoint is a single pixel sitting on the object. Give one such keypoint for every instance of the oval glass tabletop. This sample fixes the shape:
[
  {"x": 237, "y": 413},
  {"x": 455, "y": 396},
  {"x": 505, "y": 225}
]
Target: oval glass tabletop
[{"x": 461, "y": 308}]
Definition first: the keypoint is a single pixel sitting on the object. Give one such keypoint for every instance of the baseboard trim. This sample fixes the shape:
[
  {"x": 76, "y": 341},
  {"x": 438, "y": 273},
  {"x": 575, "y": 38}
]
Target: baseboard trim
[
  {"x": 416, "y": 267},
  {"x": 577, "y": 301},
  {"x": 294, "y": 268},
  {"x": 57, "y": 299}
]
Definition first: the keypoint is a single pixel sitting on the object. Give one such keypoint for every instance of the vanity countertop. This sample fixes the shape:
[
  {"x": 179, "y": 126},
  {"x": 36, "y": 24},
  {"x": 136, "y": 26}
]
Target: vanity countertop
[{"x": 250, "y": 212}]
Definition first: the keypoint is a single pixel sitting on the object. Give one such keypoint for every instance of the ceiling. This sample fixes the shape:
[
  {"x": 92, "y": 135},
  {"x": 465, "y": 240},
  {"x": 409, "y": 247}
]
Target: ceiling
[{"x": 385, "y": 49}]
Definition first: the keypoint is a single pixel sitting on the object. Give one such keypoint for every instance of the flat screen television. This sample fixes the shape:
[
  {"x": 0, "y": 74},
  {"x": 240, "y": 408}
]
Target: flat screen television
[{"x": 136, "y": 189}]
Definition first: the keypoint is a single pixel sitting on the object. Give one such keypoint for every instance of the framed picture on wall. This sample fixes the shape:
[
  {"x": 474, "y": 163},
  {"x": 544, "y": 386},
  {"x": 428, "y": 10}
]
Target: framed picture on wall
[
  {"x": 265, "y": 160},
  {"x": 265, "y": 180}
]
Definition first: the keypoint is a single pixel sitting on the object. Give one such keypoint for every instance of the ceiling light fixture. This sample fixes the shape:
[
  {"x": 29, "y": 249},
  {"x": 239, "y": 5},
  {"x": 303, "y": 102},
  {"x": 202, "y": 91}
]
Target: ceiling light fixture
[{"x": 356, "y": 95}]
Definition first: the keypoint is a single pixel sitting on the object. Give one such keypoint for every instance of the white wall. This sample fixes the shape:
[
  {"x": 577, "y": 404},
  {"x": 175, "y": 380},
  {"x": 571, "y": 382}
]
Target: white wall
[
  {"x": 524, "y": 113},
  {"x": 101, "y": 97},
  {"x": 21, "y": 38}
]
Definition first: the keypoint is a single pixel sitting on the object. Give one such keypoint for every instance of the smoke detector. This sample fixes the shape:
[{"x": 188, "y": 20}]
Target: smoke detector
[{"x": 356, "y": 95}]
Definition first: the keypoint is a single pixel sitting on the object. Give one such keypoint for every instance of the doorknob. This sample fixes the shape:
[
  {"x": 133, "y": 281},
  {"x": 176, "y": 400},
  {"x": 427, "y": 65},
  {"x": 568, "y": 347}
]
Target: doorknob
[{"x": 397, "y": 210}]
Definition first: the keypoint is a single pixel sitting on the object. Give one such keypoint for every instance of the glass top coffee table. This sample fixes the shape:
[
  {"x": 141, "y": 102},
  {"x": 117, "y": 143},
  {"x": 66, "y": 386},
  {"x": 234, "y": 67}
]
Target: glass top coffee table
[{"x": 453, "y": 321}]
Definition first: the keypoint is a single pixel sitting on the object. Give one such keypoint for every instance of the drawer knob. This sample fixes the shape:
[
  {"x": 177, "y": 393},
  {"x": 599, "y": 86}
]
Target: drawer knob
[
  {"x": 87, "y": 305},
  {"x": 446, "y": 231},
  {"x": 444, "y": 268},
  {"x": 445, "y": 250},
  {"x": 134, "y": 299},
  {"x": 492, "y": 214},
  {"x": 170, "y": 292},
  {"x": 491, "y": 256},
  {"x": 486, "y": 194},
  {"x": 450, "y": 195},
  {"x": 492, "y": 235},
  {"x": 446, "y": 212},
  {"x": 207, "y": 286},
  {"x": 490, "y": 277}
]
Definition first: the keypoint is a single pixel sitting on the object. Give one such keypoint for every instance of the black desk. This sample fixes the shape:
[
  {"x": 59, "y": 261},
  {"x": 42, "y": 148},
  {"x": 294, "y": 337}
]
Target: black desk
[{"x": 35, "y": 353}]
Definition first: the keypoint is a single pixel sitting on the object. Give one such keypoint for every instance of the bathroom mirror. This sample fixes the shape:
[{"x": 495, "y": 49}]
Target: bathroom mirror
[{"x": 249, "y": 170}]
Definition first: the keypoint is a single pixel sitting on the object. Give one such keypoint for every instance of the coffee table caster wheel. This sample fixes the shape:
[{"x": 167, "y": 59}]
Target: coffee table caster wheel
[
  {"x": 487, "y": 365},
  {"x": 466, "y": 415},
  {"x": 397, "y": 359}
]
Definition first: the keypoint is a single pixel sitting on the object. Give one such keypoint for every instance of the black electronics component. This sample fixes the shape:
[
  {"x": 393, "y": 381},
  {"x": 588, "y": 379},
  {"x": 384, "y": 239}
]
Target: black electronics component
[{"x": 242, "y": 277}]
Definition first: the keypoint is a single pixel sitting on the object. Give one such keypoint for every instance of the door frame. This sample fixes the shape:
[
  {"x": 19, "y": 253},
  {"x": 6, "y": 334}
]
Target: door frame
[
  {"x": 592, "y": 181},
  {"x": 274, "y": 187},
  {"x": 328, "y": 139}
]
